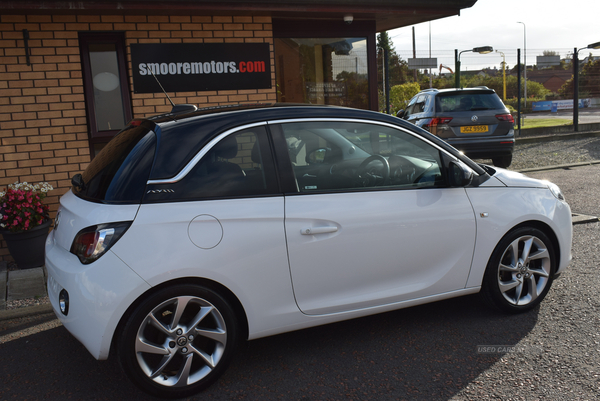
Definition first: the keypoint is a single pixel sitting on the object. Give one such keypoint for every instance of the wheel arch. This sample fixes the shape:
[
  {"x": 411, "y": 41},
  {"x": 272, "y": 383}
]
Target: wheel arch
[
  {"x": 546, "y": 229},
  {"x": 233, "y": 300}
]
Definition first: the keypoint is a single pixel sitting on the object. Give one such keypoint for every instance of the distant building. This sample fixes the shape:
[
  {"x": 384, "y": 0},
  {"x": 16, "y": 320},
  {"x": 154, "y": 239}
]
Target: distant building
[{"x": 551, "y": 79}]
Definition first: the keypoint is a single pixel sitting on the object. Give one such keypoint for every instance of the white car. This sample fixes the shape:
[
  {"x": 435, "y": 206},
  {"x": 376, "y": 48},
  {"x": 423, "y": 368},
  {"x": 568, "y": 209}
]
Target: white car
[{"x": 193, "y": 231}]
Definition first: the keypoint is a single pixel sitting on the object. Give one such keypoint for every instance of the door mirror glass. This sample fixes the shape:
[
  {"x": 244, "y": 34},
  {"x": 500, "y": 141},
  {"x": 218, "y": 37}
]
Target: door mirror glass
[{"x": 459, "y": 174}]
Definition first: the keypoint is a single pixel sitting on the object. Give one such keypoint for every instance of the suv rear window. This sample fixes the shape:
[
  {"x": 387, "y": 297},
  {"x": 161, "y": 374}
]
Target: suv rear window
[
  {"x": 118, "y": 174},
  {"x": 467, "y": 101}
]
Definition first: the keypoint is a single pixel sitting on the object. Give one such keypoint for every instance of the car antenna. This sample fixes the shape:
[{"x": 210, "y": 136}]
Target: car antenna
[{"x": 175, "y": 108}]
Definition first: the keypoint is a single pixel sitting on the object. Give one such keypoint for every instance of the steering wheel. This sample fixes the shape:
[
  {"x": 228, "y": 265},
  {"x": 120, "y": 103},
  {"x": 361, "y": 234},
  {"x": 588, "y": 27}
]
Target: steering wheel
[
  {"x": 370, "y": 176},
  {"x": 402, "y": 171}
]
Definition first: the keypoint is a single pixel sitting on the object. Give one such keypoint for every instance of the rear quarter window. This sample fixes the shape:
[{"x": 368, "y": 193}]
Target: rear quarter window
[{"x": 118, "y": 174}]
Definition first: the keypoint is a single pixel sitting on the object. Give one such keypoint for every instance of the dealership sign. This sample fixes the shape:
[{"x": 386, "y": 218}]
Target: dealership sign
[{"x": 193, "y": 67}]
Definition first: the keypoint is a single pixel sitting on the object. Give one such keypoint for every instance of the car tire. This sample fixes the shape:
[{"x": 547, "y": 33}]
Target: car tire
[
  {"x": 502, "y": 161},
  {"x": 520, "y": 271},
  {"x": 178, "y": 340}
]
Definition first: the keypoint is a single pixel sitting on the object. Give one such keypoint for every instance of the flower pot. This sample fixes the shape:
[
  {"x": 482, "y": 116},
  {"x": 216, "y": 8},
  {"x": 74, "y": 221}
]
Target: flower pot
[{"x": 27, "y": 247}]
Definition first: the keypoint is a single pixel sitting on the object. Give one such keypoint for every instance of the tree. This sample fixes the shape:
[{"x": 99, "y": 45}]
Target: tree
[
  {"x": 589, "y": 81},
  {"x": 398, "y": 68}
]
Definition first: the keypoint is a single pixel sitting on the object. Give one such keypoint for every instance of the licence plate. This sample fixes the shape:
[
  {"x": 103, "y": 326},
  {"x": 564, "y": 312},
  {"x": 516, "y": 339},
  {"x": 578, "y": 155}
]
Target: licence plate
[{"x": 470, "y": 129}]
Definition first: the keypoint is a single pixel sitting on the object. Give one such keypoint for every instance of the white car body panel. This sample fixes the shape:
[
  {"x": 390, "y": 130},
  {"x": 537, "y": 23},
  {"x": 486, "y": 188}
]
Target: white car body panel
[
  {"x": 251, "y": 259},
  {"x": 515, "y": 179},
  {"x": 76, "y": 214},
  {"x": 412, "y": 252},
  {"x": 505, "y": 208},
  {"x": 99, "y": 294}
]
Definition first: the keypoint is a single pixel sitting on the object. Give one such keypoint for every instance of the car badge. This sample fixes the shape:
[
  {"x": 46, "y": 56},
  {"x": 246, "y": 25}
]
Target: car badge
[{"x": 474, "y": 118}]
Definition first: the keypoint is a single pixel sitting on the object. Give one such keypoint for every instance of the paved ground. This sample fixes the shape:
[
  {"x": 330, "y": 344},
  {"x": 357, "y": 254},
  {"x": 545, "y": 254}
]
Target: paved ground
[{"x": 20, "y": 288}]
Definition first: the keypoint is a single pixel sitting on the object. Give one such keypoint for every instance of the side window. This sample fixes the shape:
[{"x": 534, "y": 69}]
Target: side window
[
  {"x": 329, "y": 156},
  {"x": 239, "y": 165},
  {"x": 418, "y": 106}
]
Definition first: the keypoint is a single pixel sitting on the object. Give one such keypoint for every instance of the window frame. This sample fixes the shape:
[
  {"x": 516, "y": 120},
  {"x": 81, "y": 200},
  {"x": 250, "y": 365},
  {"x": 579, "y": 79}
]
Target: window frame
[
  {"x": 96, "y": 137},
  {"x": 162, "y": 189},
  {"x": 288, "y": 180}
]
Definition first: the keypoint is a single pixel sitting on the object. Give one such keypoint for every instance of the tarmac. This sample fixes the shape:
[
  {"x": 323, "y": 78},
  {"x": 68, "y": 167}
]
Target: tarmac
[{"x": 30, "y": 284}]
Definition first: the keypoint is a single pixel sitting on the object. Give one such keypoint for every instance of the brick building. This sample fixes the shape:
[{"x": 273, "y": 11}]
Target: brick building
[{"x": 68, "y": 84}]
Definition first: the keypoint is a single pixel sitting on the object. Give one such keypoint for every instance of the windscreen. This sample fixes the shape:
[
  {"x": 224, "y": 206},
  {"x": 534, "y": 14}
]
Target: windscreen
[{"x": 467, "y": 101}]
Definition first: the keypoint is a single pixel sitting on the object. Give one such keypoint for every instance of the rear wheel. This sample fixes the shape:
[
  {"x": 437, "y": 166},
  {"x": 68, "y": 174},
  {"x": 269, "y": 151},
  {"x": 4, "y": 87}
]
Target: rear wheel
[
  {"x": 519, "y": 273},
  {"x": 178, "y": 341},
  {"x": 502, "y": 161}
]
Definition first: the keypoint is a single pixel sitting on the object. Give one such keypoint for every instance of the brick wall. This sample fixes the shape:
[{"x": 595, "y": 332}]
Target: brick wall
[{"x": 43, "y": 125}]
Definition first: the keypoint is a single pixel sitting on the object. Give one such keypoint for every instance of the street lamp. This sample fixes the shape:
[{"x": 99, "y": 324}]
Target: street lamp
[
  {"x": 524, "y": 58},
  {"x": 480, "y": 50},
  {"x": 503, "y": 74},
  {"x": 576, "y": 83}
]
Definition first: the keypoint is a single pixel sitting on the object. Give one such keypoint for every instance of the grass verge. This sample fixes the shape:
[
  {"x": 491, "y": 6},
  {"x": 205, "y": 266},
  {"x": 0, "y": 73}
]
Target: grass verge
[{"x": 545, "y": 122}]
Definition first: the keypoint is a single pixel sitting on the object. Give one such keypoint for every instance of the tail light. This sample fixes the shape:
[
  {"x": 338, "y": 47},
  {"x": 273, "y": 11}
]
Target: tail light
[
  {"x": 432, "y": 125},
  {"x": 438, "y": 121},
  {"x": 93, "y": 242},
  {"x": 505, "y": 117}
]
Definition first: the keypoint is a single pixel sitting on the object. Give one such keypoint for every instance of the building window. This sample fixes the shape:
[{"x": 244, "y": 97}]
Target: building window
[
  {"x": 332, "y": 71},
  {"x": 106, "y": 90},
  {"x": 331, "y": 63}
]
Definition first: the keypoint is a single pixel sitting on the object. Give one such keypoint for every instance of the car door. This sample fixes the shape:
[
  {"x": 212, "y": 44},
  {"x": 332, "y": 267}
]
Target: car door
[
  {"x": 418, "y": 109},
  {"x": 365, "y": 236}
]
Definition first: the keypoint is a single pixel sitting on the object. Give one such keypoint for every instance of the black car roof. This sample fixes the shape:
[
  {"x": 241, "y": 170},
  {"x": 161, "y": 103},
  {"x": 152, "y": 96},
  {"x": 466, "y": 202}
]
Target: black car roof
[{"x": 482, "y": 89}]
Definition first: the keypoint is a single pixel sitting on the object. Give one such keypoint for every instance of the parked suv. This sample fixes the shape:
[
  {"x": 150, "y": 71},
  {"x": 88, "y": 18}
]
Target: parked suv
[{"x": 473, "y": 120}]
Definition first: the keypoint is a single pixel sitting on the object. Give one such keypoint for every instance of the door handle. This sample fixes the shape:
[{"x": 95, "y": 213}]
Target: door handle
[{"x": 318, "y": 230}]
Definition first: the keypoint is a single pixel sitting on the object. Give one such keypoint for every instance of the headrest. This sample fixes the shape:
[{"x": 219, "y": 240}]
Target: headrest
[{"x": 227, "y": 148}]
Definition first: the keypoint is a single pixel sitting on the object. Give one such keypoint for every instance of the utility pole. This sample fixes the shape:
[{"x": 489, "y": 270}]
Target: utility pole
[
  {"x": 414, "y": 51},
  {"x": 519, "y": 90}
]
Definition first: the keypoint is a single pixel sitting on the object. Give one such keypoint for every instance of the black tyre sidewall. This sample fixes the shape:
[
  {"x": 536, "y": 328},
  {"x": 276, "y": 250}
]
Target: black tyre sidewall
[
  {"x": 502, "y": 161},
  {"x": 490, "y": 289},
  {"x": 126, "y": 341}
]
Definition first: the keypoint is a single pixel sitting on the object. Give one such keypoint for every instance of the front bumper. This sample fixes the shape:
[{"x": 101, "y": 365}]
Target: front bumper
[{"x": 99, "y": 295}]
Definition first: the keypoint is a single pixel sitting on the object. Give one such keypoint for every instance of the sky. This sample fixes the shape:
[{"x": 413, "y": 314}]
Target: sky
[{"x": 558, "y": 25}]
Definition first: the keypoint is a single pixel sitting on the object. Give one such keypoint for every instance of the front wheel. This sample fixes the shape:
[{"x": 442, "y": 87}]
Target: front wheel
[
  {"x": 519, "y": 273},
  {"x": 178, "y": 341},
  {"x": 502, "y": 161}
]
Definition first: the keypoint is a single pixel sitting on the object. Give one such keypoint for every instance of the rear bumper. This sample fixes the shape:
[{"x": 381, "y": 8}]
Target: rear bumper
[
  {"x": 484, "y": 148},
  {"x": 99, "y": 294}
]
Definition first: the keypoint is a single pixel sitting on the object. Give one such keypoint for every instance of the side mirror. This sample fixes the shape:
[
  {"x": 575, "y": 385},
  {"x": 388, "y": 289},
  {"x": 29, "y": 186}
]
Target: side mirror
[
  {"x": 400, "y": 113},
  {"x": 459, "y": 174}
]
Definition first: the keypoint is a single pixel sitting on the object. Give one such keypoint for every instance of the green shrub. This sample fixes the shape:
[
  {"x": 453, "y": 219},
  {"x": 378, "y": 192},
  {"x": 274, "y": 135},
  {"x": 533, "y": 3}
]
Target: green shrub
[{"x": 401, "y": 94}]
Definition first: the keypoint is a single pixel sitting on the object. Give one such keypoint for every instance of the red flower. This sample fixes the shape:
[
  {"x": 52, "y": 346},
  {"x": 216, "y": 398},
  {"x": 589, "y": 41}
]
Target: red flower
[{"x": 22, "y": 208}]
